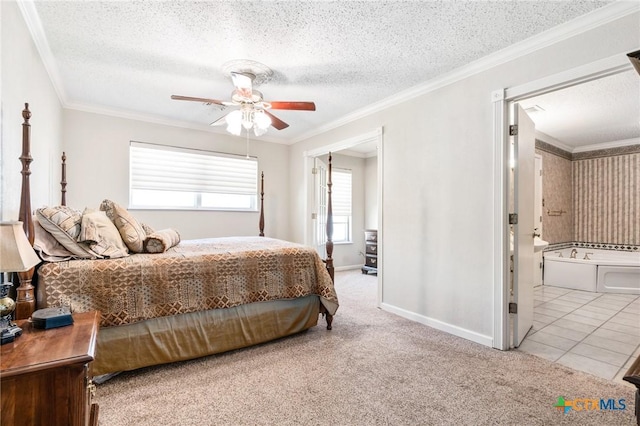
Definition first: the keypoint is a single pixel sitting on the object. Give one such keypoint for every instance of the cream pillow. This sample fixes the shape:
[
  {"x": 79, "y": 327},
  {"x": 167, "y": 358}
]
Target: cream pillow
[
  {"x": 101, "y": 234},
  {"x": 130, "y": 229},
  {"x": 64, "y": 224},
  {"x": 47, "y": 247},
  {"x": 161, "y": 241},
  {"x": 147, "y": 229}
]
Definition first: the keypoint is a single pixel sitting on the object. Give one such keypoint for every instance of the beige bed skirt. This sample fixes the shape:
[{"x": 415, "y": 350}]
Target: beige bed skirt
[{"x": 192, "y": 335}]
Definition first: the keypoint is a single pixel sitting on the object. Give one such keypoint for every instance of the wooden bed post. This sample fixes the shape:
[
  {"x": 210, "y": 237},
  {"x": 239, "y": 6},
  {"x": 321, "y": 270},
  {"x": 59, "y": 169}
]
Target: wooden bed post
[
  {"x": 329, "y": 244},
  {"x": 262, "y": 205},
  {"x": 25, "y": 300},
  {"x": 63, "y": 181}
]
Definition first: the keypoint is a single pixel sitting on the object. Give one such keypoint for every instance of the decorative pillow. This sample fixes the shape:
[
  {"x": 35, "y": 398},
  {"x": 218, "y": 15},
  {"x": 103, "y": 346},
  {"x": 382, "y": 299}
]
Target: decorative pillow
[
  {"x": 47, "y": 247},
  {"x": 101, "y": 234},
  {"x": 147, "y": 229},
  {"x": 130, "y": 229},
  {"x": 161, "y": 241},
  {"x": 64, "y": 223}
]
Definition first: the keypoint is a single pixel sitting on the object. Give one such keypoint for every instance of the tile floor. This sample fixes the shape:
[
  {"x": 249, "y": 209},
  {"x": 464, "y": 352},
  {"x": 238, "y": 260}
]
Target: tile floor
[{"x": 598, "y": 333}]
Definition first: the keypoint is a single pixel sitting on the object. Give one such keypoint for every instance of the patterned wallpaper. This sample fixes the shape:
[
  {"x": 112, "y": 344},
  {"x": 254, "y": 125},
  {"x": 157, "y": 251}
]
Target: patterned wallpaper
[
  {"x": 606, "y": 199},
  {"x": 557, "y": 212},
  {"x": 599, "y": 190}
]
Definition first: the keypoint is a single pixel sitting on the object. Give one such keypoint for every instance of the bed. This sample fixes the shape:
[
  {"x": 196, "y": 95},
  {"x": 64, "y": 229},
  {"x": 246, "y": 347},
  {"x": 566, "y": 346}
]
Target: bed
[{"x": 196, "y": 298}]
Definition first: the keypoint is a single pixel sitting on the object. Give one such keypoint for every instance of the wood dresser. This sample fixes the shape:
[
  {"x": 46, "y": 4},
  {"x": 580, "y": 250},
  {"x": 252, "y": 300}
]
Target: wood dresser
[
  {"x": 45, "y": 376},
  {"x": 371, "y": 251}
]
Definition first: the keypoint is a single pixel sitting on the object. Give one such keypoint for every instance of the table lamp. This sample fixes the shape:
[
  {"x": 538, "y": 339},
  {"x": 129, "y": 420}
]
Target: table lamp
[{"x": 16, "y": 255}]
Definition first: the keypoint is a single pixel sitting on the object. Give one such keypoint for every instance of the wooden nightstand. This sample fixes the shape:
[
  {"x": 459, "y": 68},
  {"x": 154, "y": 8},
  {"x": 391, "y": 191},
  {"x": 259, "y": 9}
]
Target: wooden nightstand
[
  {"x": 371, "y": 251},
  {"x": 45, "y": 376}
]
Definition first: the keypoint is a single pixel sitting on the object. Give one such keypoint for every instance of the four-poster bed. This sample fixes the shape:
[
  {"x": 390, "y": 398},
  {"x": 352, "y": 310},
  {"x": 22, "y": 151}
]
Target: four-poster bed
[{"x": 197, "y": 298}]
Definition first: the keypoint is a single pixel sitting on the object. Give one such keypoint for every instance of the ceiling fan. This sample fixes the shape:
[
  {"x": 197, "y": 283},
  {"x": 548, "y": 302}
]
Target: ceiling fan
[{"x": 252, "y": 109}]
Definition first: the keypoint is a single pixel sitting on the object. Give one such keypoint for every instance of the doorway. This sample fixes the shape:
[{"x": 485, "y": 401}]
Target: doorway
[
  {"x": 504, "y": 311},
  {"x": 367, "y": 151}
]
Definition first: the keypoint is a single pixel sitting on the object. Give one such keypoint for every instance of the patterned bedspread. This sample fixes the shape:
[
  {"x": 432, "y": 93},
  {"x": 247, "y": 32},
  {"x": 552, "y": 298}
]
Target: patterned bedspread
[{"x": 193, "y": 276}]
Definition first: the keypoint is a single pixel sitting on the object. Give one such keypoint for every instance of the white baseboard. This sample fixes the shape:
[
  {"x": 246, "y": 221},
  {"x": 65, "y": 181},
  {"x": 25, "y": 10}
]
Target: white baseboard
[
  {"x": 348, "y": 267},
  {"x": 439, "y": 325}
]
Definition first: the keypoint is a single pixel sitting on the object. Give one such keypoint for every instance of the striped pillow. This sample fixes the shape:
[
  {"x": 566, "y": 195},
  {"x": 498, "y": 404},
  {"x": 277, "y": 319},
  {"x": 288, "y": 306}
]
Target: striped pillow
[{"x": 64, "y": 224}]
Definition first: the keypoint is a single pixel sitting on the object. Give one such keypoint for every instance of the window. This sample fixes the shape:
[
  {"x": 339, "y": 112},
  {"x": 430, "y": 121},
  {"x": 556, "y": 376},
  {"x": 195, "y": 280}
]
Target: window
[
  {"x": 341, "y": 200},
  {"x": 164, "y": 177}
]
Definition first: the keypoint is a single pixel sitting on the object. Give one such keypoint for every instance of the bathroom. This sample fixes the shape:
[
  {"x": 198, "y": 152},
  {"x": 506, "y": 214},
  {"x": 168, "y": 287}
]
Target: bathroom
[
  {"x": 590, "y": 198},
  {"x": 587, "y": 311}
]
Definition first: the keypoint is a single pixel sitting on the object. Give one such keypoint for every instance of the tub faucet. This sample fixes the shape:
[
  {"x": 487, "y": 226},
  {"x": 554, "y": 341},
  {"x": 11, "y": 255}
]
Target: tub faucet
[{"x": 573, "y": 253}]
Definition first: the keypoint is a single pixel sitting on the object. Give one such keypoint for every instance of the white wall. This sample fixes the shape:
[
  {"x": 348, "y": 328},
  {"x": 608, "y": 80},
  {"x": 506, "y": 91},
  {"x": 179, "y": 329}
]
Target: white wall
[
  {"x": 24, "y": 79},
  {"x": 438, "y": 205},
  {"x": 371, "y": 193},
  {"x": 97, "y": 148}
]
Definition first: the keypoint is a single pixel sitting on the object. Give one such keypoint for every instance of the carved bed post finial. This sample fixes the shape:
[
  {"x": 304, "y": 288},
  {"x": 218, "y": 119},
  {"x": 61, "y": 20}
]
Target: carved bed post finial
[
  {"x": 25, "y": 300},
  {"x": 63, "y": 181},
  {"x": 262, "y": 206}
]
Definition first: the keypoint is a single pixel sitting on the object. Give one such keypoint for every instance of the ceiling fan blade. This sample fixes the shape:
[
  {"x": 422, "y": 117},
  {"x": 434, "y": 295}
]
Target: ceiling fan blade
[
  {"x": 276, "y": 122},
  {"x": 634, "y": 57},
  {"x": 220, "y": 121},
  {"x": 205, "y": 100},
  {"x": 303, "y": 106},
  {"x": 243, "y": 83}
]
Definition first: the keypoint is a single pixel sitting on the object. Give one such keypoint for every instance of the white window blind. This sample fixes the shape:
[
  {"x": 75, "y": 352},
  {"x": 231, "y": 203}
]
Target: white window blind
[
  {"x": 341, "y": 192},
  {"x": 171, "y": 177},
  {"x": 341, "y": 203}
]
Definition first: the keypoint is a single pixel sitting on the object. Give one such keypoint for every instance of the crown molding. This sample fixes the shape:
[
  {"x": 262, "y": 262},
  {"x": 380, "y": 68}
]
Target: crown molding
[
  {"x": 554, "y": 35},
  {"x": 553, "y": 141},
  {"x": 581, "y": 24},
  {"x": 568, "y": 151},
  {"x": 607, "y": 145},
  {"x": 32, "y": 20},
  {"x": 150, "y": 118}
]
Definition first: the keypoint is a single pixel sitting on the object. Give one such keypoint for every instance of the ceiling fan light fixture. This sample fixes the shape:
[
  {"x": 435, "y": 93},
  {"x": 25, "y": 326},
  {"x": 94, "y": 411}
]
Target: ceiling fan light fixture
[
  {"x": 247, "y": 117},
  {"x": 262, "y": 120},
  {"x": 234, "y": 122},
  {"x": 258, "y": 131},
  {"x": 252, "y": 109}
]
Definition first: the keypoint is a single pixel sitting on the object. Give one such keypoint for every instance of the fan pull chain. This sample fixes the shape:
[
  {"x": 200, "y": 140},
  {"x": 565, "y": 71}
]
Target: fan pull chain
[{"x": 247, "y": 144}]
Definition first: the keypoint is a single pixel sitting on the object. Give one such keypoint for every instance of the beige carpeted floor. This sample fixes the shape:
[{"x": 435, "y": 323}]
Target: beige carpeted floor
[{"x": 373, "y": 368}]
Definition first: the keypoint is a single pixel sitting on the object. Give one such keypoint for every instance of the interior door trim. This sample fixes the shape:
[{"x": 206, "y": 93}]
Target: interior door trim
[{"x": 500, "y": 99}]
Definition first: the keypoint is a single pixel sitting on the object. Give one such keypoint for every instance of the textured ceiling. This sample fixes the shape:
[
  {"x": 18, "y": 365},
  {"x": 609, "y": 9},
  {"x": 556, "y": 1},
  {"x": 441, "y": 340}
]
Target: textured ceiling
[
  {"x": 600, "y": 111},
  {"x": 131, "y": 56}
]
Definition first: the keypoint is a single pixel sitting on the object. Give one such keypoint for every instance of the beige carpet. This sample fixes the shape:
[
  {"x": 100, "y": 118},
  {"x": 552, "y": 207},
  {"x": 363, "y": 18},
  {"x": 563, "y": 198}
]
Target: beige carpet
[{"x": 373, "y": 368}]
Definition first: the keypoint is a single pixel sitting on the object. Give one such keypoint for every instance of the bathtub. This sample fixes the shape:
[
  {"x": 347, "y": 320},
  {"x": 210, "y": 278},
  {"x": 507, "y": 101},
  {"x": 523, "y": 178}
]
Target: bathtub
[{"x": 605, "y": 271}]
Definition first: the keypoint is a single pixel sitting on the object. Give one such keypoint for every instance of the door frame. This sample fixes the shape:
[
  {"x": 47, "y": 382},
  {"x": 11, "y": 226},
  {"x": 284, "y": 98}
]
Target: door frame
[
  {"x": 501, "y": 100},
  {"x": 308, "y": 156}
]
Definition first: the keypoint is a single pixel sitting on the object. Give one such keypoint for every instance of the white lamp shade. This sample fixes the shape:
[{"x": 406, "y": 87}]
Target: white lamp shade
[
  {"x": 16, "y": 253},
  {"x": 234, "y": 122},
  {"x": 263, "y": 121}
]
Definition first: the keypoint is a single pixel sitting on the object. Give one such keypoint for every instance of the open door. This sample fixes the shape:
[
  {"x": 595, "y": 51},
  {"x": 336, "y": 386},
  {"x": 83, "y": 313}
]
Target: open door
[
  {"x": 523, "y": 134},
  {"x": 537, "y": 219}
]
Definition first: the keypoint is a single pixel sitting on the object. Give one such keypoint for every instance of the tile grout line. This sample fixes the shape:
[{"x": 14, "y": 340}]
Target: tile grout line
[{"x": 583, "y": 304}]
